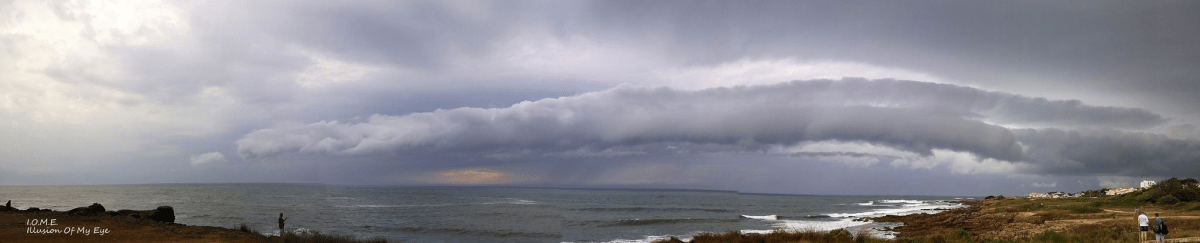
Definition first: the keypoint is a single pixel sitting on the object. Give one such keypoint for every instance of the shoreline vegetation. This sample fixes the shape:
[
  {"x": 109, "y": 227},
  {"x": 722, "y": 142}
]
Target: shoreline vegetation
[
  {"x": 1094, "y": 218},
  {"x": 95, "y": 224}
]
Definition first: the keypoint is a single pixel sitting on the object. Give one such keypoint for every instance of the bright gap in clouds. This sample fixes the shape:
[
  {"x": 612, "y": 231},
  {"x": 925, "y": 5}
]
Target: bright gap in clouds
[{"x": 772, "y": 71}]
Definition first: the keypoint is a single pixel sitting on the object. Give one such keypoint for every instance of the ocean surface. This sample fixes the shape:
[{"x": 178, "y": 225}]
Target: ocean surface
[{"x": 484, "y": 214}]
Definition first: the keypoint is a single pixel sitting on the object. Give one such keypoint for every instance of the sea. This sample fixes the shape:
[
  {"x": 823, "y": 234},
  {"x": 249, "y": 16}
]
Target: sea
[{"x": 487, "y": 214}]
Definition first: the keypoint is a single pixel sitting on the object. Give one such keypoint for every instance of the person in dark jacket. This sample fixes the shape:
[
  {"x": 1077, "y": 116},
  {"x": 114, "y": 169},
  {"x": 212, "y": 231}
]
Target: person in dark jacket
[
  {"x": 1160, "y": 229},
  {"x": 281, "y": 219}
]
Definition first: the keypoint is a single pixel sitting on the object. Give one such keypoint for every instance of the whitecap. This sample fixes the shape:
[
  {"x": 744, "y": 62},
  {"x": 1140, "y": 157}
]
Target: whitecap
[
  {"x": 651, "y": 238},
  {"x": 395, "y": 206},
  {"x": 766, "y": 217},
  {"x": 517, "y": 201},
  {"x": 901, "y": 201}
]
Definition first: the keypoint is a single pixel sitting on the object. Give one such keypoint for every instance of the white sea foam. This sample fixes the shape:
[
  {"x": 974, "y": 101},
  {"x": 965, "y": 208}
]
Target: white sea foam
[
  {"x": 839, "y": 220},
  {"x": 801, "y": 225},
  {"x": 651, "y": 238},
  {"x": 767, "y": 217},
  {"x": 901, "y": 201},
  {"x": 904, "y": 209},
  {"x": 514, "y": 201},
  {"x": 847, "y": 220},
  {"x": 395, "y": 206},
  {"x": 756, "y": 231}
]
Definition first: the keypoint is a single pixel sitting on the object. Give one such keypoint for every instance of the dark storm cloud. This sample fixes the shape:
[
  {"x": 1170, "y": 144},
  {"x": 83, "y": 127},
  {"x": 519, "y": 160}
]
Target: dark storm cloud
[
  {"x": 1076, "y": 49},
  {"x": 1104, "y": 151},
  {"x": 1118, "y": 47},
  {"x": 1070, "y": 89},
  {"x": 905, "y": 115}
]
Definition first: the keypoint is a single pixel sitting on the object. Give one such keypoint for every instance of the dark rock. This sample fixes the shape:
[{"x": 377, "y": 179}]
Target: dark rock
[
  {"x": 94, "y": 209},
  {"x": 164, "y": 214},
  {"x": 134, "y": 213},
  {"x": 32, "y": 209}
]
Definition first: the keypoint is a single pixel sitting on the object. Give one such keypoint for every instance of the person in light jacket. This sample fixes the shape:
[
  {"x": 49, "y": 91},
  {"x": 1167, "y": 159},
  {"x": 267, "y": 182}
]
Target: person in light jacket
[{"x": 1143, "y": 225}]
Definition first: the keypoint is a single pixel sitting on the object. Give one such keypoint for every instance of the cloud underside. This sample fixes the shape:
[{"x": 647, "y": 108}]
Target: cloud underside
[
  {"x": 208, "y": 158},
  {"x": 903, "y": 123}
]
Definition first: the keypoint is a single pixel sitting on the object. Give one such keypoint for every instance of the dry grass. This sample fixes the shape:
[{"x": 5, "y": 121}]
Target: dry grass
[{"x": 246, "y": 228}]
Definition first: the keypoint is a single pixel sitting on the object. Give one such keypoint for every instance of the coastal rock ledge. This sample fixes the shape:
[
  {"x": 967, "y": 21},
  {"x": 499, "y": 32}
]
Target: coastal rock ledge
[
  {"x": 164, "y": 214},
  {"x": 94, "y": 223}
]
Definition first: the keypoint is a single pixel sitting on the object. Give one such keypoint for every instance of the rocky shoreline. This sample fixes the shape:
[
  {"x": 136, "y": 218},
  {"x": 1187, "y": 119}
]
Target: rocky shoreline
[
  {"x": 923, "y": 224},
  {"x": 94, "y": 223}
]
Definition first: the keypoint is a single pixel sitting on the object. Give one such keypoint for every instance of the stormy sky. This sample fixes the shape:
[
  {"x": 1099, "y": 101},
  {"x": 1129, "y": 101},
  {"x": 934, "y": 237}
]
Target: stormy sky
[{"x": 802, "y": 97}]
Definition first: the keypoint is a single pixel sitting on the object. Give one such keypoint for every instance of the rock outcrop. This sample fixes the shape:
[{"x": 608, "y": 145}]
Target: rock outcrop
[
  {"x": 164, "y": 214},
  {"x": 94, "y": 209}
]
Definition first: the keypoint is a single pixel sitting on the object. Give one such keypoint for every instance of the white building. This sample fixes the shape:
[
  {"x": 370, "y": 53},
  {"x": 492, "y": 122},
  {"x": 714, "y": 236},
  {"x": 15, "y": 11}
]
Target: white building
[
  {"x": 1148, "y": 183},
  {"x": 1119, "y": 191},
  {"x": 1054, "y": 195}
]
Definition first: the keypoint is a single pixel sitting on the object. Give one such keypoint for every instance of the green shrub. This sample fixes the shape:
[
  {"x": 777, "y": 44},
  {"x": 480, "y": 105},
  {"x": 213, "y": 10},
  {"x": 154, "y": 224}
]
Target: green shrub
[
  {"x": 1168, "y": 200},
  {"x": 962, "y": 235},
  {"x": 1025, "y": 207},
  {"x": 246, "y": 228},
  {"x": 840, "y": 234}
]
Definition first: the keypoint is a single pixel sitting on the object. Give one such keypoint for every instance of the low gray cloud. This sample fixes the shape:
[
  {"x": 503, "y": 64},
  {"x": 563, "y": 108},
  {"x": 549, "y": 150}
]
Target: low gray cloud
[
  {"x": 909, "y": 116},
  {"x": 208, "y": 158},
  {"x": 1109, "y": 152}
]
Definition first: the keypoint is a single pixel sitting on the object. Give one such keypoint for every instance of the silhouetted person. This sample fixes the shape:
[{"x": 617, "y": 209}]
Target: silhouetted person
[{"x": 281, "y": 219}]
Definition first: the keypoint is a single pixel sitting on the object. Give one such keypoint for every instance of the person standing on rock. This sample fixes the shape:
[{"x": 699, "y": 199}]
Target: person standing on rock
[
  {"x": 1143, "y": 225},
  {"x": 285, "y": 219}
]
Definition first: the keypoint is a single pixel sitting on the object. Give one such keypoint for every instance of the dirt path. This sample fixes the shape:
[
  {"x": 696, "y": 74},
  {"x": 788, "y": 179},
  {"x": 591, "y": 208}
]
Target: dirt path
[{"x": 1188, "y": 239}]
